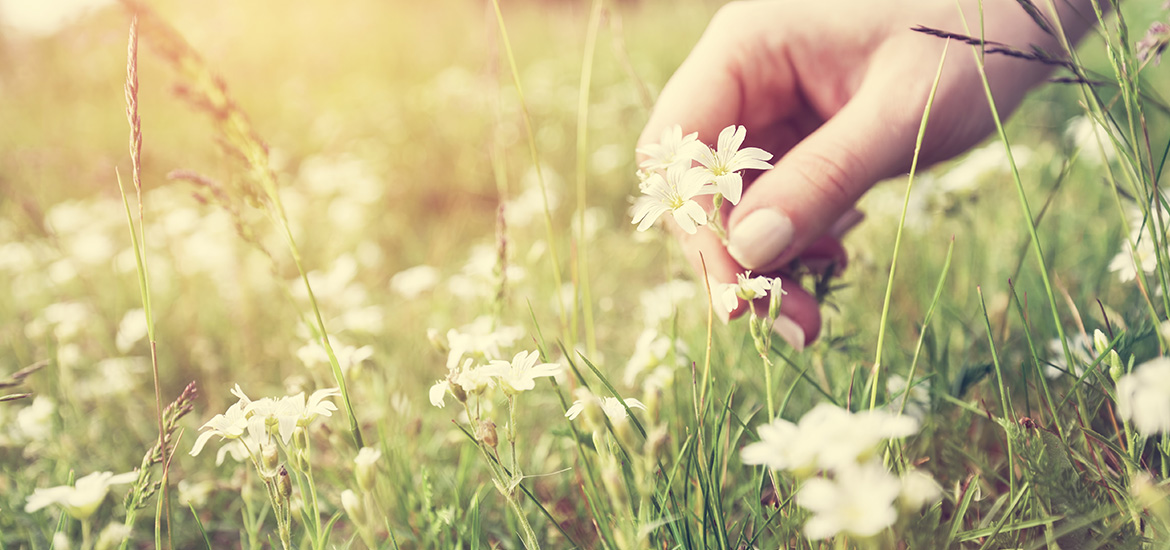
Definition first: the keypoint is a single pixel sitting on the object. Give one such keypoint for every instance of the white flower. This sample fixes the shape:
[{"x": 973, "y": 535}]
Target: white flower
[
  {"x": 858, "y": 501},
  {"x": 827, "y": 437},
  {"x": 1143, "y": 396},
  {"x": 918, "y": 490},
  {"x": 747, "y": 288},
  {"x": 675, "y": 194},
  {"x": 659, "y": 303},
  {"x": 673, "y": 148},
  {"x": 475, "y": 380},
  {"x": 230, "y": 425},
  {"x": 480, "y": 340},
  {"x": 652, "y": 350},
  {"x": 1144, "y": 256},
  {"x": 723, "y": 164},
  {"x": 83, "y": 498},
  {"x": 130, "y": 330},
  {"x": 1080, "y": 346},
  {"x": 439, "y": 391},
  {"x": 367, "y": 457},
  {"x": 612, "y": 407},
  {"x": 919, "y": 397},
  {"x": 35, "y": 422},
  {"x": 414, "y": 281},
  {"x": 521, "y": 374}
]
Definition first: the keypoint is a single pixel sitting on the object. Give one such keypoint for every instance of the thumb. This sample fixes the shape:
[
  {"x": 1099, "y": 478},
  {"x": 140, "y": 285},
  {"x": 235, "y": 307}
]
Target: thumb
[{"x": 790, "y": 206}]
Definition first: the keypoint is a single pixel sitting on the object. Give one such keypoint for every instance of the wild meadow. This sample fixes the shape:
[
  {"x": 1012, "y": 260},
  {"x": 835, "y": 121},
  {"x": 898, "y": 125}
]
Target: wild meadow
[{"x": 364, "y": 275}]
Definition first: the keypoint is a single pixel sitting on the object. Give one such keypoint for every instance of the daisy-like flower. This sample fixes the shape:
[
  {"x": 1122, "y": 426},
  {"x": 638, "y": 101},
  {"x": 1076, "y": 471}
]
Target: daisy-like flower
[
  {"x": 521, "y": 374},
  {"x": 858, "y": 501},
  {"x": 1143, "y": 396},
  {"x": 747, "y": 288},
  {"x": 287, "y": 413},
  {"x": 723, "y": 164},
  {"x": 83, "y": 498},
  {"x": 918, "y": 490},
  {"x": 674, "y": 193},
  {"x": 673, "y": 148},
  {"x": 612, "y": 407},
  {"x": 826, "y": 438},
  {"x": 229, "y": 425}
]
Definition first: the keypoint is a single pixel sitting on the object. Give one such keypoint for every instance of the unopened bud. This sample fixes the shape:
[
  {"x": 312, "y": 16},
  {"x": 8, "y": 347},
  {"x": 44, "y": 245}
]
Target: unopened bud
[
  {"x": 269, "y": 459},
  {"x": 1116, "y": 368},
  {"x": 366, "y": 467},
  {"x": 353, "y": 506},
  {"x": 1100, "y": 342},
  {"x": 486, "y": 432},
  {"x": 775, "y": 299},
  {"x": 456, "y": 389},
  {"x": 283, "y": 484}
]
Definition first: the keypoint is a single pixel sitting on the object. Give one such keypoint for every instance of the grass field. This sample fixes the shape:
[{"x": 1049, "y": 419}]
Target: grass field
[{"x": 381, "y": 155}]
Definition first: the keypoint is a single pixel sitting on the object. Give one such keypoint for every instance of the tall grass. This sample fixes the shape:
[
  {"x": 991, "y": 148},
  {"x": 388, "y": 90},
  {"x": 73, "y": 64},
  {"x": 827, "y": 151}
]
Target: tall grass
[{"x": 283, "y": 268}]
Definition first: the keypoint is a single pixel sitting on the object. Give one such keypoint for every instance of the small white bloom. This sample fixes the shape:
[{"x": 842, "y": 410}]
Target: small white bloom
[
  {"x": 747, "y": 288},
  {"x": 672, "y": 149},
  {"x": 130, "y": 330},
  {"x": 438, "y": 392},
  {"x": 521, "y": 373},
  {"x": 675, "y": 194},
  {"x": 367, "y": 456},
  {"x": 230, "y": 425},
  {"x": 1080, "y": 346},
  {"x": 412, "y": 282},
  {"x": 723, "y": 164},
  {"x": 857, "y": 501},
  {"x": 660, "y": 302},
  {"x": 83, "y": 498},
  {"x": 918, "y": 489},
  {"x": 1143, "y": 396},
  {"x": 35, "y": 422},
  {"x": 827, "y": 437},
  {"x": 919, "y": 397},
  {"x": 612, "y": 407}
]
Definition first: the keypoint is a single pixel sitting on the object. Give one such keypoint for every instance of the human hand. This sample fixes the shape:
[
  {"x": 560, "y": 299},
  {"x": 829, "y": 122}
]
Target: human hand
[{"x": 836, "y": 90}]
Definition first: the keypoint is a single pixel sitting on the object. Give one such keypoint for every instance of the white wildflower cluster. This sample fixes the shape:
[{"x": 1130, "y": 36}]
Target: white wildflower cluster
[
  {"x": 254, "y": 426},
  {"x": 513, "y": 377},
  {"x": 746, "y": 288},
  {"x": 670, "y": 181},
  {"x": 851, "y": 491}
]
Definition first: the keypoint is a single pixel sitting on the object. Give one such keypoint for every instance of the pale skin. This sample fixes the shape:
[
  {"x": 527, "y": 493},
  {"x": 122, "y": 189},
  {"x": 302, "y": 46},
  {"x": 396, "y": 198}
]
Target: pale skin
[{"x": 836, "y": 91}]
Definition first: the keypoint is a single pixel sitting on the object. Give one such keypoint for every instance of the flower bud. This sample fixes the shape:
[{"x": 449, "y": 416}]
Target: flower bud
[
  {"x": 1116, "y": 369},
  {"x": 283, "y": 484},
  {"x": 775, "y": 299},
  {"x": 269, "y": 459},
  {"x": 353, "y": 506},
  {"x": 1100, "y": 342},
  {"x": 366, "y": 467},
  {"x": 486, "y": 432}
]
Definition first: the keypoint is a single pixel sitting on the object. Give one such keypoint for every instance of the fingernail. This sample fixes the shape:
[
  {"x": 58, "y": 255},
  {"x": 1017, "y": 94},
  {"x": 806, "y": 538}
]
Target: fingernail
[
  {"x": 760, "y": 238},
  {"x": 791, "y": 332}
]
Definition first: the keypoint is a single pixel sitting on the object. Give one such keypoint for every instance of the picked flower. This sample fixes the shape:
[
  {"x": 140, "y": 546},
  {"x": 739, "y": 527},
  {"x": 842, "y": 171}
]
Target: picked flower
[
  {"x": 674, "y": 193},
  {"x": 521, "y": 374},
  {"x": 723, "y": 164},
  {"x": 673, "y": 148},
  {"x": 747, "y": 288},
  {"x": 83, "y": 498}
]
